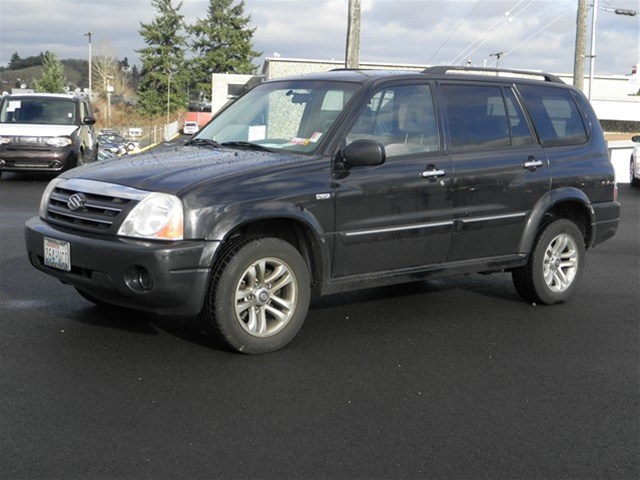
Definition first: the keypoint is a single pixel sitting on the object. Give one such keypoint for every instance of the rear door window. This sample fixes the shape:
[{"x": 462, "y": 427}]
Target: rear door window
[
  {"x": 477, "y": 116},
  {"x": 555, "y": 115}
]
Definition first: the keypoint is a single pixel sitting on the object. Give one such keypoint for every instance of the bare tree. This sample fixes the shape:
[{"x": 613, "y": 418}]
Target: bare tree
[{"x": 107, "y": 71}]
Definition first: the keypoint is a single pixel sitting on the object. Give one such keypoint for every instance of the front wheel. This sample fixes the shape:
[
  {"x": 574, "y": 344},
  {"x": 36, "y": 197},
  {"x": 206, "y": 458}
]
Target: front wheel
[
  {"x": 555, "y": 265},
  {"x": 259, "y": 295}
]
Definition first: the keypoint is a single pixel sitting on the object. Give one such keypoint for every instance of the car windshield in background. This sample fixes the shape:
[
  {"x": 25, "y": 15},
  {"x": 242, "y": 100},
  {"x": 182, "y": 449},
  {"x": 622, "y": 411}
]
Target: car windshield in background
[
  {"x": 43, "y": 111},
  {"x": 288, "y": 115}
]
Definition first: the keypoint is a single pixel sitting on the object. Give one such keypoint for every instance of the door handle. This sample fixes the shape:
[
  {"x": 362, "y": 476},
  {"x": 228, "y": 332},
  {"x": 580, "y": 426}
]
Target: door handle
[
  {"x": 432, "y": 174},
  {"x": 532, "y": 164}
]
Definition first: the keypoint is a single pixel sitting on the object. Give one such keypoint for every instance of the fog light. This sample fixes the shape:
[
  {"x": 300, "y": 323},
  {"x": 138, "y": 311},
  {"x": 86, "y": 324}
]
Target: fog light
[
  {"x": 56, "y": 164},
  {"x": 138, "y": 279}
]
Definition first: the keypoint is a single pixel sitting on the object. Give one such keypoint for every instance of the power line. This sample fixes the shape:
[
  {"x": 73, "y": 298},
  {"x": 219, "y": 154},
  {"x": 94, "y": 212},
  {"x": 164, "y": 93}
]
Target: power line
[
  {"x": 487, "y": 35},
  {"x": 455, "y": 30},
  {"x": 547, "y": 25}
]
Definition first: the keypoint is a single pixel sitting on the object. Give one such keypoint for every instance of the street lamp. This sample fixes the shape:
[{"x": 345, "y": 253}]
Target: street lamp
[
  {"x": 592, "y": 56},
  {"x": 169, "y": 74},
  {"x": 110, "y": 90},
  {"x": 88, "y": 34}
]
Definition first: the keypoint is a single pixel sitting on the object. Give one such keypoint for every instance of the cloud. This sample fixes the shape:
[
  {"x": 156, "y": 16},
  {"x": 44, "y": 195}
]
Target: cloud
[{"x": 541, "y": 35}]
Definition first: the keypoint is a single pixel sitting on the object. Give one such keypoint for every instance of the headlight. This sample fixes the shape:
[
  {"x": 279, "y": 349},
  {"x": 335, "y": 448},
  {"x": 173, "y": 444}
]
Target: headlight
[
  {"x": 5, "y": 140},
  {"x": 44, "y": 201},
  {"x": 157, "y": 216},
  {"x": 59, "y": 141}
]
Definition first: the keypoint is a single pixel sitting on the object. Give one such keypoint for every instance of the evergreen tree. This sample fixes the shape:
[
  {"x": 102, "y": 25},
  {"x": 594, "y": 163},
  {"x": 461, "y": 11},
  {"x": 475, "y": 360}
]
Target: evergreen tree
[
  {"x": 221, "y": 43},
  {"x": 52, "y": 79},
  {"x": 162, "y": 61},
  {"x": 16, "y": 62}
]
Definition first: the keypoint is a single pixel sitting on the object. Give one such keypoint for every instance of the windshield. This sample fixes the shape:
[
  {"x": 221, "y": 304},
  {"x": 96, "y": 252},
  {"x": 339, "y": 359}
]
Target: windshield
[
  {"x": 47, "y": 111},
  {"x": 287, "y": 115}
]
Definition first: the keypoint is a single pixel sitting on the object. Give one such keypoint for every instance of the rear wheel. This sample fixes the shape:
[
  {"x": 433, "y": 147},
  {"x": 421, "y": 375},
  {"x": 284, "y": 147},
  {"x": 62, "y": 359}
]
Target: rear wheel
[
  {"x": 259, "y": 295},
  {"x": 554, "y": 268}
]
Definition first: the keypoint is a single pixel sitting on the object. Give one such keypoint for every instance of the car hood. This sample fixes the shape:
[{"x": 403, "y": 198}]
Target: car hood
[
  {"x": 36, "y": 130},
  {"x": 176, "y": 169}
]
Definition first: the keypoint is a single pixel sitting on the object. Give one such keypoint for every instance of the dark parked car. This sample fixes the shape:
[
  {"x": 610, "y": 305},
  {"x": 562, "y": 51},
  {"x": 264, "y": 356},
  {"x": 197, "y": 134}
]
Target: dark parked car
[
  {"x": 338, "y": 181},
  {"x": 45, "y": 132},
  {"x": 116, "y": 143},
  {"x": 111, "y": 143}
]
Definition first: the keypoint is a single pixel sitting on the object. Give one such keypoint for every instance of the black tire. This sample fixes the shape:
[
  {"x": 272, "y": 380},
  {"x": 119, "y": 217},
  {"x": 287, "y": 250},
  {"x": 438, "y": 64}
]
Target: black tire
[
  {"x": 81, "y": 158},
  {"x": 635, "y": 182},
  {"x": 555, "y": 265},
  {"x": 244, "y": 309}
]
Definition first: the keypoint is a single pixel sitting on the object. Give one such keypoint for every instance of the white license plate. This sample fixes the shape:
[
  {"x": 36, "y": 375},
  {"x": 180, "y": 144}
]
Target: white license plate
[{"x": 57, "y": 254}]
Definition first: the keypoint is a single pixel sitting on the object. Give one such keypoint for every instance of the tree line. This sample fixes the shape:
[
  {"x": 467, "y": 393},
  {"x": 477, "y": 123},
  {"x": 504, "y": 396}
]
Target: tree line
[{"x": 178, "y": 57}]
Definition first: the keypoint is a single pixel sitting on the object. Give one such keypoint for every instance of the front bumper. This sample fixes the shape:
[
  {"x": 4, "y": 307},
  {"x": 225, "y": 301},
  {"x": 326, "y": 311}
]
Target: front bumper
[
  {"x": 102, "y": 266},
  {"x": 36, "y": 160}
]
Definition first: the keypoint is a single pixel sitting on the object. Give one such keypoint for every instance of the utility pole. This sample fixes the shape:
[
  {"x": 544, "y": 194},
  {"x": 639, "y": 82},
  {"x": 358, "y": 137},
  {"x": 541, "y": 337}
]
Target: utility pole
[
  {"x": 498, "y": 55},
  {"x": 352, "y": 58},
  {"x": 581, "y": 45}
]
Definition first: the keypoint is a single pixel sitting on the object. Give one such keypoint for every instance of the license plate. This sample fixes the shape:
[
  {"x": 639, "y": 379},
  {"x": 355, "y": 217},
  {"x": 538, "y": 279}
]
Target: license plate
[{"x": 57, "y": 254}]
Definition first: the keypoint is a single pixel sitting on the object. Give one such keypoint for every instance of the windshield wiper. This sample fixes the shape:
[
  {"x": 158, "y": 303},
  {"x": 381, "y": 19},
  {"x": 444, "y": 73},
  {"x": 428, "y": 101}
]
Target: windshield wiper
[
  {"x": 247, "y": 145},
  {"x": 204, "y": 142}
]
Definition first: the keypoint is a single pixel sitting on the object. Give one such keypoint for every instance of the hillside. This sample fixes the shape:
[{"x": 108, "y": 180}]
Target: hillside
[{"x": 75, "y": 72}]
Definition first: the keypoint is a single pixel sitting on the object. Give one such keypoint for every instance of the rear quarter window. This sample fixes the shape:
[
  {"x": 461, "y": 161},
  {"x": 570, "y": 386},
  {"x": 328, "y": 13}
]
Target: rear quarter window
[{"x": 555, "y": 115}]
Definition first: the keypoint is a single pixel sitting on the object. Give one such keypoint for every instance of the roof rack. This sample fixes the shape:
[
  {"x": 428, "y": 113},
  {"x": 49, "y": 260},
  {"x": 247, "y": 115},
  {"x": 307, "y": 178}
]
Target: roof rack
[{"x": 442, "y": 69}]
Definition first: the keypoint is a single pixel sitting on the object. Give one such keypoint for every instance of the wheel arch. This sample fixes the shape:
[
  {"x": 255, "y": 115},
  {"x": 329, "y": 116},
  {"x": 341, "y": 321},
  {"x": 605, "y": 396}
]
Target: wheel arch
[
  {"x": 295, "y": 225},
  {"x": 568, "y": 202}
]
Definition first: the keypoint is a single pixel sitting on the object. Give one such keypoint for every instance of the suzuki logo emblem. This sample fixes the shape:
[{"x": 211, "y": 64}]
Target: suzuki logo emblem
[{"x": 76, "y": 201}]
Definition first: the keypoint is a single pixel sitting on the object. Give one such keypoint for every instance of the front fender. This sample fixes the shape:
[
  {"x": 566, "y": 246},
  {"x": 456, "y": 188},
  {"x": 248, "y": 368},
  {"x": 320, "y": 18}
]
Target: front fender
[{"x": 223, "y": 221}]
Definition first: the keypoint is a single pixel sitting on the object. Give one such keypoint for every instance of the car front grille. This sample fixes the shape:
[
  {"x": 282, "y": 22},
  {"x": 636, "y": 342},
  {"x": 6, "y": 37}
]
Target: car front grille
[{"x": 97, "y": 210}]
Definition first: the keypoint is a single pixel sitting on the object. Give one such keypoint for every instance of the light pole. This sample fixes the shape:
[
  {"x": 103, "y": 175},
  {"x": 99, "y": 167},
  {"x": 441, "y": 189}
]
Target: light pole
[
  {"x": 168, "y": 92},
  {"x": 109, "y": 89},
  {"x": 592, "y": 55},
  {"x": 88, "y": 34}
]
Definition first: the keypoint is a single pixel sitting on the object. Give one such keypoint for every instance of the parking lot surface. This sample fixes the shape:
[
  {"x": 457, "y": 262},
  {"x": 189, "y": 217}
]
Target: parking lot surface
[{"x": 447, "y": 379}]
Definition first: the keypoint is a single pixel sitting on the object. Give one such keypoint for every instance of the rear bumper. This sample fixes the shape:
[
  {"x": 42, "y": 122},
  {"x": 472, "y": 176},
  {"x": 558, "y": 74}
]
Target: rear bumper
[
  {"x": 103, "y": 268},
  {"x": 607, "y": 218}
]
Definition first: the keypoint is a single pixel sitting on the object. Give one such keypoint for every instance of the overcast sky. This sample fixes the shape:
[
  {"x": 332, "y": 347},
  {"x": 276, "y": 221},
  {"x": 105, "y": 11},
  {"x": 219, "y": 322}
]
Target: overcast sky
[{"x": 535, "y": 34}]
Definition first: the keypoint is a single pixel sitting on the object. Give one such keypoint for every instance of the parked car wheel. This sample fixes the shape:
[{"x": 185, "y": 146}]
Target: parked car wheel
[
  {"x": 259, "y": 295},
  {"x": 635, "y": 181},
  {"x": 555, "y": 265}
]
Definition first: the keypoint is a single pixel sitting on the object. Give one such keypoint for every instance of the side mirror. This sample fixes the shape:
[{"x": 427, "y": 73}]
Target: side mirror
[
  {"x": 364, "y": 153},
  {"x": 88, "y": 120},
  {"x": 635, "y": 138}
]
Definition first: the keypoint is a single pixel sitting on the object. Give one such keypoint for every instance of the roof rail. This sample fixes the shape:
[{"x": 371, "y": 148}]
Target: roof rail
[{"x": 442, "y": 69}]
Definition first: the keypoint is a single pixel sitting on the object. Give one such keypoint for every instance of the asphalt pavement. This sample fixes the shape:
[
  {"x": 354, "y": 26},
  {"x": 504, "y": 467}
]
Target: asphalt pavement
[{"x": 447, "y": 379}]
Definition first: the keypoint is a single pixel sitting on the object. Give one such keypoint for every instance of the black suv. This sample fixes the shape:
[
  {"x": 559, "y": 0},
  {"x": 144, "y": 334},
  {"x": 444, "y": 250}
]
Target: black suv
[
  {"x": 337, "y": 181},
  {"x": 46, "y": 132}
]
